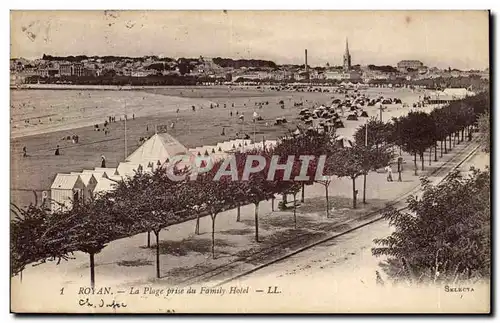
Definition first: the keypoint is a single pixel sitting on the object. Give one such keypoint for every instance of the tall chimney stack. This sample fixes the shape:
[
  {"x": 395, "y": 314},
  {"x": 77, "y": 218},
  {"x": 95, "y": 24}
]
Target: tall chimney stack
[{"x": 306, "y": 66}]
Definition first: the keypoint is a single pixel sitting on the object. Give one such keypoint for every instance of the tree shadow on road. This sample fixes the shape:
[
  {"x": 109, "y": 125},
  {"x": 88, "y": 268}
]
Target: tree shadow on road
[
  {"x": 135, "y": 263},
  {"x": 339, "y": 205},
  {"x": 186, "y": 246}
]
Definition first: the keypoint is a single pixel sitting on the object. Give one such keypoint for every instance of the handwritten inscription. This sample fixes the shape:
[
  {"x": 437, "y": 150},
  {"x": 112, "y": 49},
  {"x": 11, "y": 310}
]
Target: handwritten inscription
[
  {"x": 101, "y": 303},
  {"x": 142, "y": 292}
]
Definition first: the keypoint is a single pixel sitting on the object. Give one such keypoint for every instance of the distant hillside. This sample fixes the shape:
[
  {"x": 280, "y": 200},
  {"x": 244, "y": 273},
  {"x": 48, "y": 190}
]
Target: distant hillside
[
  {"x": 238, "y": 63},
  {"x": 383, "y": 68},
  {"x": 80, "y": 58}
]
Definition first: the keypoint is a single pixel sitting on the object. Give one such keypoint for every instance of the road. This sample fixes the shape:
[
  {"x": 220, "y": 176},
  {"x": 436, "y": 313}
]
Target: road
[{"x": 348, "y": 256}]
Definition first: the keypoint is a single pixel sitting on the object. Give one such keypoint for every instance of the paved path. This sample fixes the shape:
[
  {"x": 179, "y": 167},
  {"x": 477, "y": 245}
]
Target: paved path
[{"x": 345, "y": 263}]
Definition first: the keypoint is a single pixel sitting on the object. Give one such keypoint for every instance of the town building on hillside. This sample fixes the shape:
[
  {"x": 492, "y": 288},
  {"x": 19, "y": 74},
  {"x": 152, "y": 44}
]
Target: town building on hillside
[
  {"x": 141, "y": 73},
  {"x": 109, "y": 65},
  {"x": 43, "y": 72},
  {"x": 404, "y": 65},
  {"x": 78, "y": 69},
  {"x": 65, "y": 69},
  {"x": 352, "y": 76},
  {"x": 332, "y": 75},
  {"x": 316, "y": 75}
]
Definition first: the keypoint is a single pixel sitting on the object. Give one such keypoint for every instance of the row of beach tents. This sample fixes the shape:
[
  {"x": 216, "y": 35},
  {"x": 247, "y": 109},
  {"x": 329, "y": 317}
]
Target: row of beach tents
[{"x": 159, "y": 150}]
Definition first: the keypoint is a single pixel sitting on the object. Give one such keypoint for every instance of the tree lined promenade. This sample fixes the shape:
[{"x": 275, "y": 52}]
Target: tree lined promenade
[{"x": 152, "y": 202}]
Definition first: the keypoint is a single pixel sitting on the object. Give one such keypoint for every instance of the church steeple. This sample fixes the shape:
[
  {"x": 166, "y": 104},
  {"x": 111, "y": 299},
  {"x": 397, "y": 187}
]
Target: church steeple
[{"x": 347, "y": 56}]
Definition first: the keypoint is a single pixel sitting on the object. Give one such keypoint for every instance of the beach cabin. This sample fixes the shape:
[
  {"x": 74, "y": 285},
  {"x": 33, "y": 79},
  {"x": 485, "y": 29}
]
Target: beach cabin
[
  {"x": 66, "y": 190},
  {"x": 128, "y": 169},
  {"x": 90, "y": 182},
  {"x": 108, "y": 171},
  {"x": 115, "y": 178},
  {"x": 104, "y": 185},
  {"x": 97, "y": 173}
]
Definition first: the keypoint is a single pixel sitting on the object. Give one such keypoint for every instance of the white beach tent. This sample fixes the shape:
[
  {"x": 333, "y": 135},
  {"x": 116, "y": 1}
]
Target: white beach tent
[
  {"x": 128, "y": 169},
  {"x": 89, "y": 181},
  {"x": 115, "y": 178},
  {"x": 458, "y": 93},
  {"x": 344, "y": 142},
  {"x": 104, "y": 185},
  {"x": 108, "y": 171},
  {"x": 97, "y": 173},
  {"x": 159, "y": 147}
]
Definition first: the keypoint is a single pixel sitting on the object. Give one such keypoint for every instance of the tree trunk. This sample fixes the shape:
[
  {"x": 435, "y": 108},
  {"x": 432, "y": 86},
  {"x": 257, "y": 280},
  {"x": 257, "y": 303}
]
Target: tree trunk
[
  {"x": 354, "y": 193},
  {"x": 197, "y": 226},
  {"x": 463, "y": 130},
  {"x": 436, "y": 151},
  {"x": 157, "y": 254},
  {"x": 213, "y": 235},
  {"x": 302, "y": 198},
  {"x": 295, "y": 210},
  {"x": 422, "y": 158},
  {"x": 430, "y": 155},
  {"x": 256, "y": 222},
  {"x": 149, "y": 239},
  {"x": 327, "y": 204},
  {"x": 21, "y": 276},
  {"x": 92, "y": 270},
  {"x": 450, "y": 140},
  {"x": 442, "y": 148},
  {"x": 364, "y": 188},
  {"x": 238, "y": 213},
  {"x": 284, "y": 199},
  {"x": 272, "y": 204},
  {"x": 415, "y": 162}
]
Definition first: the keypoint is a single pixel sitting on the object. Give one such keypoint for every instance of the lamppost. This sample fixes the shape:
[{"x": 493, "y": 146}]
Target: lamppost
[
  {"x": 381, "y": 108},
  {"x": 400, "y": 168},
  {"x": 364, "y": 175}
]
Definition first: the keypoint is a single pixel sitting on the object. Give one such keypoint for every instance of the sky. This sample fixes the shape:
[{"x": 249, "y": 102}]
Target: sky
[{"x": 459, "y": 39}]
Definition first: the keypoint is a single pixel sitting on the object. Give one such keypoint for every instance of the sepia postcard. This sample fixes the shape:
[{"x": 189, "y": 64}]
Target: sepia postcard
[{"x": 225, "y": 161}]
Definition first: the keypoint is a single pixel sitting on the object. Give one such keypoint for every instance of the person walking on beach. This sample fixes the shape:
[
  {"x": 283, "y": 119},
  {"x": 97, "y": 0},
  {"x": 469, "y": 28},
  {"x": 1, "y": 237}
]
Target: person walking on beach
[
  {"x": 25, "y": 152},
  {"x": 388, "y": 169},
  {"x": 103, "y": 161},
  {"x": 57, "y": 153}
]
